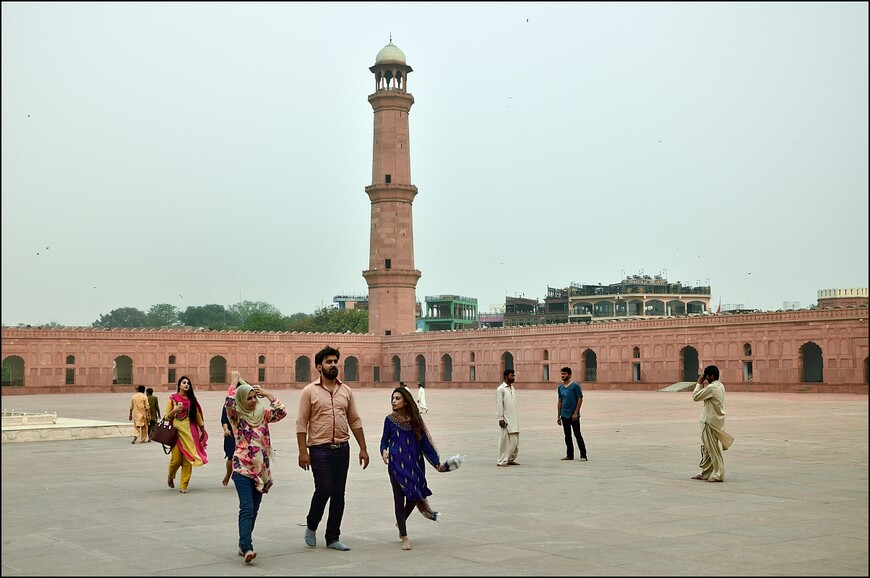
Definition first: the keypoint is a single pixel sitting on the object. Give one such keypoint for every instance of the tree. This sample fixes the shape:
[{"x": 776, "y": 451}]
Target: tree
[
  {"x": 333, "y": 320},
  {"x": 122, "y": 317},
  {"x": 210, "y": 316},
  {"x": 264, "y": 321},
  {"x": 240, "y": 312},
  {"x": 163, "y": 315}
]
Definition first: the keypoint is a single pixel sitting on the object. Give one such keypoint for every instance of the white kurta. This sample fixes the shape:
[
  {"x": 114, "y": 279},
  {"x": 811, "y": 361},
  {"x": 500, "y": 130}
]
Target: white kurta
[
  {"x": 506, "y": 409},
  {"x": 421, "y": 399}
]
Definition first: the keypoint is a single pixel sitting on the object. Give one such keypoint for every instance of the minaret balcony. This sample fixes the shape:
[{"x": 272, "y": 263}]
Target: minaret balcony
[{"x": 395, "y": 192}]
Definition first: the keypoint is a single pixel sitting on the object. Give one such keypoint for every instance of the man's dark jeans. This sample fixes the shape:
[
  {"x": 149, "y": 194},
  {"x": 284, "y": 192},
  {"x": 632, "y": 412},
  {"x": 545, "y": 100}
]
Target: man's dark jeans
[
  {"x": 329, "y": 467},
  {"x": 567, "y": 425}
]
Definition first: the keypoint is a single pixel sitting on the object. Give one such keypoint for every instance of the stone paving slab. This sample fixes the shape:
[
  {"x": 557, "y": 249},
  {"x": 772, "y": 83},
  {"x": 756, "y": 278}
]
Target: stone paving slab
[{"x": 794, "y": 501}]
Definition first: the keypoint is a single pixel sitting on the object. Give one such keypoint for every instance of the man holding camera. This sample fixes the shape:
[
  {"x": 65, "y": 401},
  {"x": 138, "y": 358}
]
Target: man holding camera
[{"x": 712, "y": 392}]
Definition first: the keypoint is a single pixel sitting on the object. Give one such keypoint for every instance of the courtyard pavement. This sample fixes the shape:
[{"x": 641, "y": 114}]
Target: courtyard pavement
[{"x": 794, "y": 501}]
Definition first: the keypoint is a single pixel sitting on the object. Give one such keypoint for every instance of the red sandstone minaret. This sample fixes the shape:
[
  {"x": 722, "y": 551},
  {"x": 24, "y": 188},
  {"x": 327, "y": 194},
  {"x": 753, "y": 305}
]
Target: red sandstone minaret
[{"x": 391, "y": 276}]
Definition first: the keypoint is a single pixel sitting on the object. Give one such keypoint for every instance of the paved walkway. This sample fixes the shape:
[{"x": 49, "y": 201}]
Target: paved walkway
[{"x": 794, "y": 502}]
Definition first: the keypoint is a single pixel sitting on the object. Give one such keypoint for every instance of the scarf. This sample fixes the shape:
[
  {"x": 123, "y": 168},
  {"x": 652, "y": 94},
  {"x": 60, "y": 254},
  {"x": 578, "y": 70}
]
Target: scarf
[{"x": 255, "y": 416}]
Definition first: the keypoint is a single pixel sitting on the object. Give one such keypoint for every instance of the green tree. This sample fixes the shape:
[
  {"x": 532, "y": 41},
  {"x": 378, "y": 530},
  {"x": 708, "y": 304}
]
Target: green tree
[
  {"x": 241, "y": 312},
  {"x": 122, "y": 317},
  {"x": 163, "y": 315},
  {"x": 209, "y": 316},
  {"x": 265, "y": 321},
  {"x": 332, "y": 320}
]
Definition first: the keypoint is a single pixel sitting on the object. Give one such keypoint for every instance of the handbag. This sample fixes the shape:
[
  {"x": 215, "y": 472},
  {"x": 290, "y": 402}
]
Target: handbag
[{"x": 166, "y": 434}]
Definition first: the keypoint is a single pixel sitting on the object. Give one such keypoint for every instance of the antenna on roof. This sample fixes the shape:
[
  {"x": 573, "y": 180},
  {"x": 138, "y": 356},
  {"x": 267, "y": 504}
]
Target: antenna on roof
[{"x": 391, "y": 37}]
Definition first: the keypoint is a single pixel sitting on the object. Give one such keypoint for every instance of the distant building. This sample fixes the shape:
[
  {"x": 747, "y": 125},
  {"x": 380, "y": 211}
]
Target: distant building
[
  {"x": 351, "y": 302},
  {"x": 490, "y": 319},
  {"x": 636, "y": 296},
  {"x": 446, "y": 312},
  {"x": 843, "y": 297}
]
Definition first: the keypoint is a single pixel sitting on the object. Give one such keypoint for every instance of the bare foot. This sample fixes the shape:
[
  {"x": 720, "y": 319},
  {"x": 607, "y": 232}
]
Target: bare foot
[
  {"x": 134, "y": 441},
  {"x": 183, "y": 490},
  {"x": 406, "y": 544},
  {"x": 714, "y": 480},
  {"x": 170, "y": 482},
  {"x": 698, "y": 477}
]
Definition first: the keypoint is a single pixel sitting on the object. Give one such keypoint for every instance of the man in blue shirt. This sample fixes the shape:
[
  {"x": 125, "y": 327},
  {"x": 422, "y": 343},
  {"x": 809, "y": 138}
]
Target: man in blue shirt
[{"x": 568, "y": 413}]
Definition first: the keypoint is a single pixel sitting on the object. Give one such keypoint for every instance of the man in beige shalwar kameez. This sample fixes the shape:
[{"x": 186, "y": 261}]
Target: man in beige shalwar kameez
[
  {"x": 140, "y": 414},
  {"x": 508, "y": 421},
  {"x": 712, "y": 392}
]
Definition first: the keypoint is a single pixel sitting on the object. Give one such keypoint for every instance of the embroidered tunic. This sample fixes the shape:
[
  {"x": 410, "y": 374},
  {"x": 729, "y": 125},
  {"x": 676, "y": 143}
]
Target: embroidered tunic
[
  {"x": 192, "y": 439},
  {"x": 406, "y": 456}
]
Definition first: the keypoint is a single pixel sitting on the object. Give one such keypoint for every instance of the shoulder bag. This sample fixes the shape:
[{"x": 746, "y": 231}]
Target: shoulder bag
[{"x": 166, "y": 434}]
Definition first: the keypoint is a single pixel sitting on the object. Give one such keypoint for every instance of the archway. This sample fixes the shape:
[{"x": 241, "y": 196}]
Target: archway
[
  {"x": 217, "y": 369},
  {"x": 397, "y": 368},
  {"x": 689, "y": 363},
  {"x": 351, "y": 369},
  {"x": 446, "y": 368},
  {"x": 122, "y": 369},
  {"x": 507, "y": 362},
  {"x": 303, "y": 369},
  {"x": 811, "y": 363},
  {"x": 13, "y": 371},
  {"x": 421, "y": 369},
  {"x": 590, "y": 365}
]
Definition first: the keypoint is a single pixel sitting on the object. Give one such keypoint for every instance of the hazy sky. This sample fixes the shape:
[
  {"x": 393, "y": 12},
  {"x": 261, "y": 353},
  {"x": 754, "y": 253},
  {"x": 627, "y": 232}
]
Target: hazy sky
[{"x": 198, "y": 153}]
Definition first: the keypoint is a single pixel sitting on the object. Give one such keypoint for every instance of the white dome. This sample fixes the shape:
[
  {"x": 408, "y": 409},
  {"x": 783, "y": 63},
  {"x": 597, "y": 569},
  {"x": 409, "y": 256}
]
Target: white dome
[{"x": 390, "y": 52}]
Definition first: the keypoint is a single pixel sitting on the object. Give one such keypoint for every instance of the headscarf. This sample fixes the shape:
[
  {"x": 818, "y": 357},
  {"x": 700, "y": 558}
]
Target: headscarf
[{"x": 255, "y": 416}]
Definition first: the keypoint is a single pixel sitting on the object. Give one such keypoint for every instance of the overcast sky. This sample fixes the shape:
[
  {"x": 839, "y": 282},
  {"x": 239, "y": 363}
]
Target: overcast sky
[{"x": 198, "y": 153}]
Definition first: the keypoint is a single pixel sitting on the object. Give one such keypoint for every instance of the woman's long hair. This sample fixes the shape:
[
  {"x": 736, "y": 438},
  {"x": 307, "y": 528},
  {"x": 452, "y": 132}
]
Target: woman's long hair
[
  {"x": 191, "y": 396},
  {"x": 411, "y": 411}
]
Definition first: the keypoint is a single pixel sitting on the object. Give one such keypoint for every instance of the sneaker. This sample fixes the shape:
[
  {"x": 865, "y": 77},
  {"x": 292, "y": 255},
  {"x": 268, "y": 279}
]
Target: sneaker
[
  {"x": 310, "y": 537},
  {"x": 338, "y": 546}
]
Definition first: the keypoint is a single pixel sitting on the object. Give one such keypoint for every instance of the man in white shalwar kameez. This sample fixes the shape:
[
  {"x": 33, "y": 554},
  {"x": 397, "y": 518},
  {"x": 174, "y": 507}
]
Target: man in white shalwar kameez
[
  {"x": 711, "y": 391},
  {"x": 508, "y": 421}
]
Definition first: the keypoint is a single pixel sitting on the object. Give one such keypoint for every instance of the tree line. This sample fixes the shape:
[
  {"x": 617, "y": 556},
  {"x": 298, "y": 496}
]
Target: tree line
[{"x": 243, "y": 316}]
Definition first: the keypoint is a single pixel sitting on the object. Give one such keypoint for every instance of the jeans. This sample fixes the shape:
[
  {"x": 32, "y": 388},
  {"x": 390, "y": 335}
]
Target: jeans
[
  {"x": 567, "y": 425},
  {"x": 329, "y": 467},
  {"x": 249, "y": 505}
]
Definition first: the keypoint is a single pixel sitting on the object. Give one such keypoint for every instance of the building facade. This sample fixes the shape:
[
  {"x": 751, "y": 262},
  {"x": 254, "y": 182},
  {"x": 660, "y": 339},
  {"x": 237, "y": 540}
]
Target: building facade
[
  {"x": 818, "y": 350},
  {"x": 641, "y": 334}
]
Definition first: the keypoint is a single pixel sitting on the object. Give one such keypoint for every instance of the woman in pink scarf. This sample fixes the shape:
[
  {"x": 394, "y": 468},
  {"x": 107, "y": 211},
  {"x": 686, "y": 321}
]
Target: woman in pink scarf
[{"x": 185, "y": 413}]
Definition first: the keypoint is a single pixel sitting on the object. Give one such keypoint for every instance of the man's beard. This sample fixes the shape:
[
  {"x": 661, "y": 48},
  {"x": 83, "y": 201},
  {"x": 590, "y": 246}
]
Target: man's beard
[{"x": 332, "y": 373}]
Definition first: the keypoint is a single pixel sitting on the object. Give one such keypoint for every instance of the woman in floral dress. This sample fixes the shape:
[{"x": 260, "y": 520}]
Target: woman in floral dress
[{"x": 252, "y": 475}]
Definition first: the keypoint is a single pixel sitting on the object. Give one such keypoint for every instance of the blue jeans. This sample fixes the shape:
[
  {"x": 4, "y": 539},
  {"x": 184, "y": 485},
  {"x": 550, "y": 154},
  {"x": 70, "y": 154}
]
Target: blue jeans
[
  {"x": 249, "y": 505},
  {"x": 329, "y": 467}
]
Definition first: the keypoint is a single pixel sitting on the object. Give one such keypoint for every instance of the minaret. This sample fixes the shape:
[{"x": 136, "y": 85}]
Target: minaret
[{"x": 391, "y": 276}]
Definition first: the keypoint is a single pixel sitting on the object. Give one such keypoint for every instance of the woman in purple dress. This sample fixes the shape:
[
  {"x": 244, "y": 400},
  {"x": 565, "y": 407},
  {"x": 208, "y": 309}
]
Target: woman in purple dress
[{"x": 404, "y": 444}]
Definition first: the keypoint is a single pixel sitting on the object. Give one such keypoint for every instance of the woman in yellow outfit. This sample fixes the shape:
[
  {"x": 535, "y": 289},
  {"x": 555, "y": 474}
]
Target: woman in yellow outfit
[{"x": 185, "y": 413}]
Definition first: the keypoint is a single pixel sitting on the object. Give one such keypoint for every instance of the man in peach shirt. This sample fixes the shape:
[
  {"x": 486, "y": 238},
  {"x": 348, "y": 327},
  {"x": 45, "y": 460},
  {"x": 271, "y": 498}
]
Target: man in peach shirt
[{"x": 327, "y": 416}]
